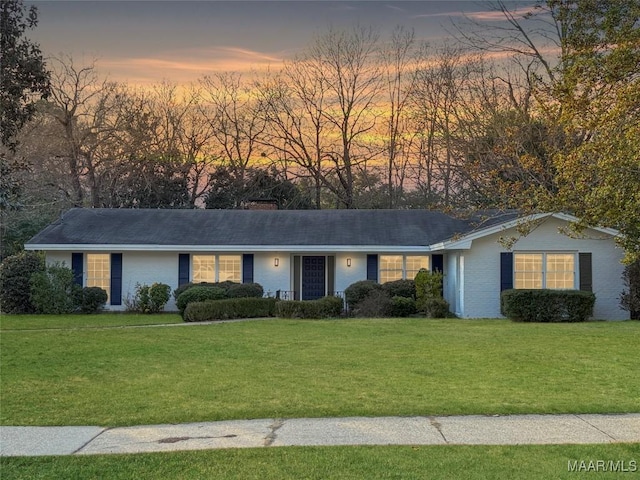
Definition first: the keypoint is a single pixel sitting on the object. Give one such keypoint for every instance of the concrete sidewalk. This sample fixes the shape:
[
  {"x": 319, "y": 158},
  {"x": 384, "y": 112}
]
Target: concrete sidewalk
[{"x": 461, "y": 430}]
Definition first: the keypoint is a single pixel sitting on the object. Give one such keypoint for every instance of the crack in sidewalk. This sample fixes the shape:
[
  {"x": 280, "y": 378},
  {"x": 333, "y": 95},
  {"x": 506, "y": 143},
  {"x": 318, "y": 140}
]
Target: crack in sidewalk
[
  {"x": 78, "y": 450},
  {"x": 593, "y": 426},
  {"x": 274, "y": 427},
  {"x": 435, "y": 424}
]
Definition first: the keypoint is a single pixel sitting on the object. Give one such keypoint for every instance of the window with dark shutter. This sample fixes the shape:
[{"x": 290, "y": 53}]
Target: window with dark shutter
[{"x": 506, "y": 271}]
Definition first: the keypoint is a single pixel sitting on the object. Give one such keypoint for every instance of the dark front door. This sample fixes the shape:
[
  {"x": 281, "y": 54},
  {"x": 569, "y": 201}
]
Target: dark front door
[{"x": 313, "y": 278}]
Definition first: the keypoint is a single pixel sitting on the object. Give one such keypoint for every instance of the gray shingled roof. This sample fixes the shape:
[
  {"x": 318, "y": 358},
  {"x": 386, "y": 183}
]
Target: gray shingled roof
[{"x": 251, "y": 227}]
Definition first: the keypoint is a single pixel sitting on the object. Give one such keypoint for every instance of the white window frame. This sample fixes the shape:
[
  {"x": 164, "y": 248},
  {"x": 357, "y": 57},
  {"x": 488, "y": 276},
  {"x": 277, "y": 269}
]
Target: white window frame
[
  {"x": 216, "y": 266},
  {"x": 545, "y": 270},
  {"x": 403, "y": 271}
]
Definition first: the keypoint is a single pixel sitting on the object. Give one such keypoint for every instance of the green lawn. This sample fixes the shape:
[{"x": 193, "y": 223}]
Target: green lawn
[
  {"x": 44, "y": 322},
  {"x": 344, "y": 463},
  {"x": 286, "y": 368}
]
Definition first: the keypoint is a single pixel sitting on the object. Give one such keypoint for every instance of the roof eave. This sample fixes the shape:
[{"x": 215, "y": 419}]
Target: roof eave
[{"x": 226, "y": 248}]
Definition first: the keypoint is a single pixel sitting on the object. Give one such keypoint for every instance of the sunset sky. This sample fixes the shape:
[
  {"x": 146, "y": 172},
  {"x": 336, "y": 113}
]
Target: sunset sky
[{"x": 147, "y": 41}]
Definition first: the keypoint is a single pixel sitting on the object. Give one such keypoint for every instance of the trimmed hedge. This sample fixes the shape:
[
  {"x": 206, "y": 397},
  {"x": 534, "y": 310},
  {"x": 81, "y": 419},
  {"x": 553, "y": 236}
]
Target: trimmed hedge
[
  {"x": 326, "y": 307},
  {"x": 186, "y": 286},
  {"x": 229, "y": 309},
  {"x": 199, "y": 294},
  {"x": 400, "y": 288},
  {"x": 547, "y": 305},
  {"x": 245, "y": 290},
  {"x": 358, "y": 291},
  {"x": 91, "y": 299},
  {"x": 402, "y": 307}
]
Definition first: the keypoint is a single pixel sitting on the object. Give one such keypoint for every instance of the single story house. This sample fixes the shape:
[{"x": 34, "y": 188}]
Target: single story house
[{"x": 306, "y": 254}]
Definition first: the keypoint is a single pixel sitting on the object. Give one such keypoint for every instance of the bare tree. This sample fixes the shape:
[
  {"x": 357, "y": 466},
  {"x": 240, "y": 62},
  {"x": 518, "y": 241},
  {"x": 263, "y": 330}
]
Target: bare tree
[
  {"x": 83, "y": 105},
  {"x": 321, "y": 107},
  {"x": 401, "y": 61},
  {"x": 234, "y": 113}
]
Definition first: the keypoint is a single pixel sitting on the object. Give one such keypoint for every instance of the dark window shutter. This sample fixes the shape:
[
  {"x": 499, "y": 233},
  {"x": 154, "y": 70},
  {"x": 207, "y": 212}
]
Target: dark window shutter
[
  {"x": 116, "y": 279},
  {"x": 184, "y": 259},
  {"x": 586, "y": 278},
  {"x": 372, "y": 267},
  {"x": 247, "y": 268},
  {"x": 437, "y": 263},
  {"x": 506, "y": 270},
  {"x": 77, "y": 265}
]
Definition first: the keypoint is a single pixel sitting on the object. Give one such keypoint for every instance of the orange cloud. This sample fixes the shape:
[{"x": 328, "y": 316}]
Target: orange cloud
[
  {"x": 481, "y": 16},
  {"x": 187, "y": 65}
]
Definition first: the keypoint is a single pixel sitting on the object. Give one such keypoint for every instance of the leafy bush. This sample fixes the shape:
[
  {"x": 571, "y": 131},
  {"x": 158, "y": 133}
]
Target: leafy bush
[
  {"x": 149, "y": 299},
  {"x": 53, "y": 291},
  {"x": 436, "y": 307},
  {"x": 330, "y": 306},
  {"x": 630, "y": 297},
  {"x": 229, "y": 309},
  {"x": 15, "y": 281},
  {"x": 199, "y": 294},
  {"x": 547, "y": 305},
  {"x": 326, "y": 307},
  {"x": 429, "y": 298},
  {"x": 297, "y": 309},
  {"x": 376, "y": 304},
  {"x": 402, "y": 307},
  {"x": 358, "y": 291},
  {"x": 400, "y": 288},
  {"x": 245, "y": 290},
  {"x": 91, "y": 299},
  {"x": 186, "y": 286}
]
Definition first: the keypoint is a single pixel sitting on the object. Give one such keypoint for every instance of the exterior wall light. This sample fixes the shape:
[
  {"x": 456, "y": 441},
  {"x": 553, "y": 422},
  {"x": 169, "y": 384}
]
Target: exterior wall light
[
  {"x": 348, "y": 262},
  {"x": 276, "y": 262}
]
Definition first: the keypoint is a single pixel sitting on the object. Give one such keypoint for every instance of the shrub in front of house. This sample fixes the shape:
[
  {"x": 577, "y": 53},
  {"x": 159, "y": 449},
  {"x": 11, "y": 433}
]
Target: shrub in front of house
[
  {"x": 436, "y": 307},
  {"x": 15, "y": 281},
  {"x": 402, "y": 307},
  {"x": 53, "y": 290},
  {"x": 199, "y": 294},
  {"x": 326, "y": 307},
  {"x": 91, "y": 299},
  {"x": 149, "y": 299},
  {"x": 376, "y": 304},
  {"x": 231, "y": 308},
  {"x": 186, "y": 286},
  {"x": 547, "y": 305},
  {"x": 330, "y": 306},
  {"x": 245, "y": 290},
  {"x": 429, "y": 299},
  {"x": 400, "y": 288},
  {"x": 630, "y": 296},
  {"x": 358, "y": 291}
]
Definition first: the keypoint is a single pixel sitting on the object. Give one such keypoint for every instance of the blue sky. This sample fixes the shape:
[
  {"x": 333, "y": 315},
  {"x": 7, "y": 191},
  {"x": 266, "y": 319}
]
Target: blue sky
[{"x": 146, "y": 41}]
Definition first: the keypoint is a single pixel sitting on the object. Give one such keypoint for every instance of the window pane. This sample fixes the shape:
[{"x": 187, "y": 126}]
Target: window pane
[
  {"x": 528, "y": 280},
  {"x": 390, "y": 275},
  {"x": 229, "y": 268},
  {"x": 528, "y": 270},
  {"x": 390, "y": 268},
  {"x": 414, "y": 264},
  {"x": 204, "y": 268},
  {"x": 560, "y": 270},
  {"x": 99, "y": 271}
]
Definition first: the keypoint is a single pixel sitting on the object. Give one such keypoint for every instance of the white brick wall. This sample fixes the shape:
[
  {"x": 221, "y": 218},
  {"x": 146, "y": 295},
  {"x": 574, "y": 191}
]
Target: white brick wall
[{"x": 482, "y": 268}]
